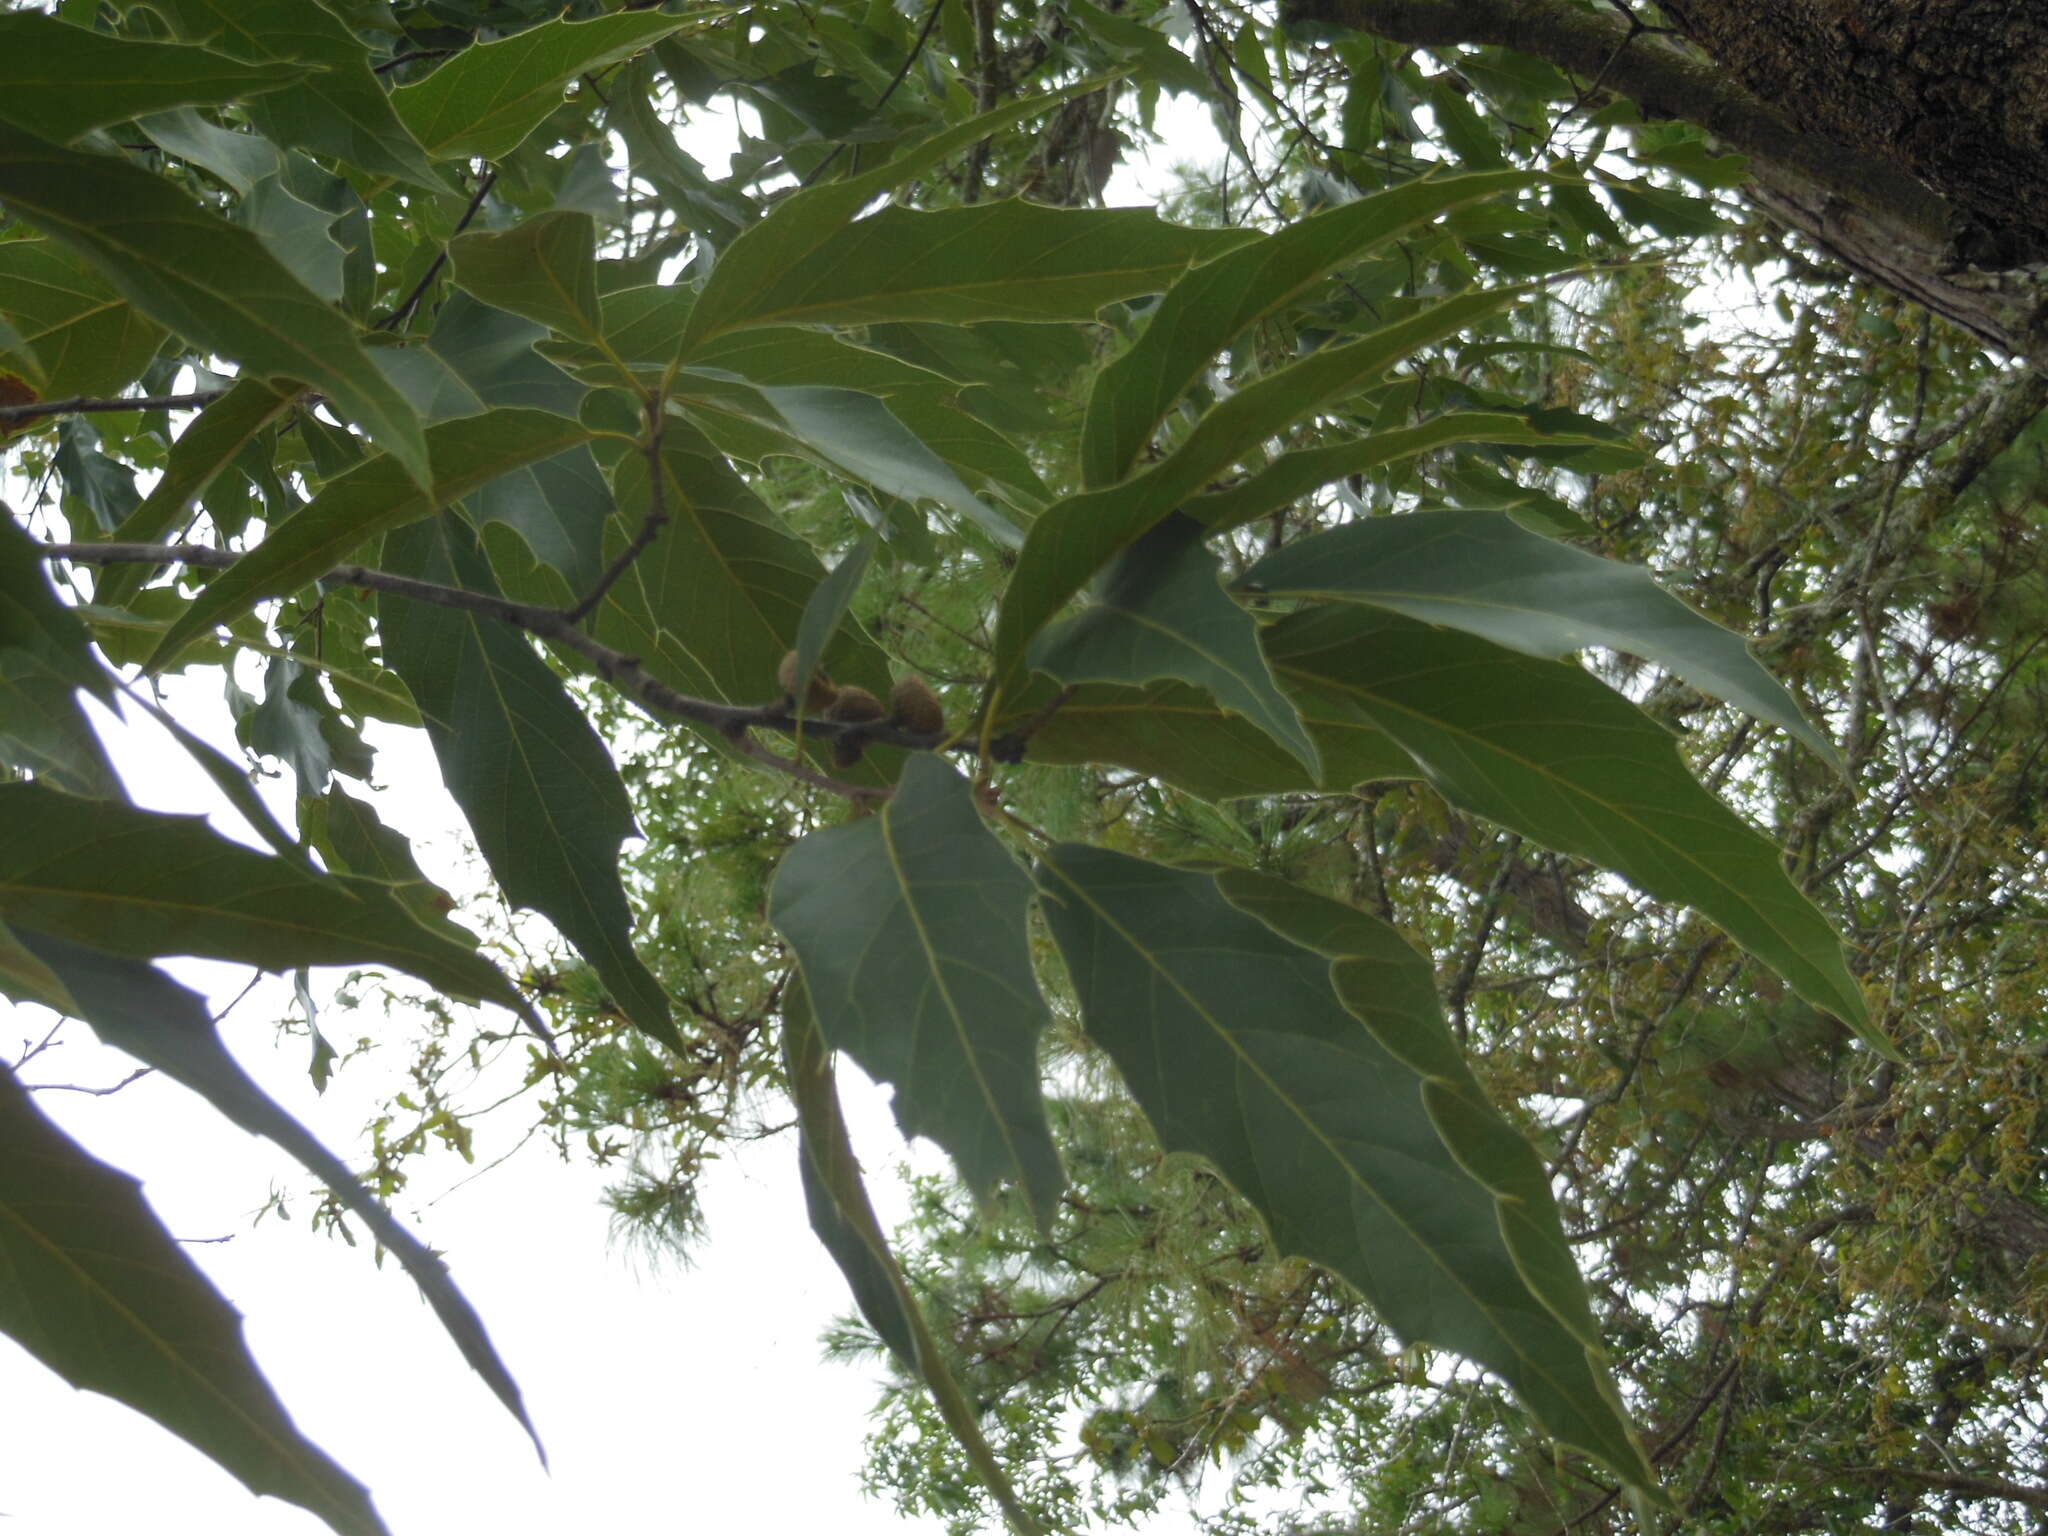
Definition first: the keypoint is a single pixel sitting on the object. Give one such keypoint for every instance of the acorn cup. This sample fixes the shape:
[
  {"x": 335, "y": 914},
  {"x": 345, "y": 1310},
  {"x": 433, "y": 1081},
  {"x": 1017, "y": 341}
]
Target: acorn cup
[
  {"x": 914, "y": 707},
  {"x": 853, "y": 706},
  {"x": 818, "y": 694}
]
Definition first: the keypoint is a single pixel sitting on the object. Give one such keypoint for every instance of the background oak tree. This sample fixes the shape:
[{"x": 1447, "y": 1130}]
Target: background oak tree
[{"x": 1427, "y": 1026}]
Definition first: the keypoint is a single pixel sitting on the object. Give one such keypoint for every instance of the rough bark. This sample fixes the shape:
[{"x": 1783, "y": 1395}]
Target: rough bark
[{"x": 1896, "y": 195}]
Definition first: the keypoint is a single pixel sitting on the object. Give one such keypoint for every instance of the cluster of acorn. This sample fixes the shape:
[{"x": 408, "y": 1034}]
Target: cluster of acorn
[{"x": 912, "y": 706}]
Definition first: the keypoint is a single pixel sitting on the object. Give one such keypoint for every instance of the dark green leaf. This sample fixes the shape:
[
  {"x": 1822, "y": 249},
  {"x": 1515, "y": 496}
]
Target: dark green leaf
[
  {"x": 544, "y": 269},
  {"x": 490, "y": 96},
  {"x": 1007, "y": 260},
  {"x": 87, "y": 339},
  {"x": 1204, "y": 310},
  {"x": 534, "y": 781},
  {"x": 203, "y": 277},
  {"x": 1480, "y": 572},
  {"x": 910, "y": 927},
  {"x": 825, "y": 611},
  {"x": 1544, "y": 749},
  {"x": 376, "y": 495},
  {"x": 33, "y": 620},
  {"x": 137, "y": 883},
  {"x": 99, "y": 1292},
  {"x": 137, "y": 1009},
  {"x": 1079, "y": 535},
  {"x": 339, "y": 109},
  {"x": 205, "y": 448},
  {"x": 1235, "y": 1045},
  {"x": 1161, "y": 613},
  {"x": 59, "y": 80},
  {"x": 718, "y": 598}
]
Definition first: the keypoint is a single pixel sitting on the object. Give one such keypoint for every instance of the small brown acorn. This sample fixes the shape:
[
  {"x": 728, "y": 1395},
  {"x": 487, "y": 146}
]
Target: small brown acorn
[
  {"x": 914, "y": 706},
  {"x": 853, "y": 706},
  {"x": 818, "y": 695}
]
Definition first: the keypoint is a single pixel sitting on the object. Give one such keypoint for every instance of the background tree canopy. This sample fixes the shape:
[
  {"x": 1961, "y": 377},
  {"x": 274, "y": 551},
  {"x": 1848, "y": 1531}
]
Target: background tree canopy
[{"x": 1430, "y": 1030}]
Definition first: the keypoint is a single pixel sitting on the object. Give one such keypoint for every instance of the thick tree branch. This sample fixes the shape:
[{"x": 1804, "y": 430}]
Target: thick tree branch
[
  {"x": 1658, "y": 75},
  {"x": 1866, "y": 210}
]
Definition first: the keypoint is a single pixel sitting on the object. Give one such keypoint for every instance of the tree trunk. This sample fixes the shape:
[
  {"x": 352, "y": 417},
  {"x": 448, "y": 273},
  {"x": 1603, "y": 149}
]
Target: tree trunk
[{"x": 1907, "y": 138}]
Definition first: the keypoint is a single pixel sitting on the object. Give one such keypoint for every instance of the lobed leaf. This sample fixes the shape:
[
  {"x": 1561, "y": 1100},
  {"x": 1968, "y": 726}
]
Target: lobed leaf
[
  {"x": 910, "y": 928},
  {"x": 1481, "y": 572},
  {"x": 1237, "y": 1048},
  {"x": 211, "y": 281},
  {"x": 103, "y": 1295},
  {"x": 533, "y": 779}
]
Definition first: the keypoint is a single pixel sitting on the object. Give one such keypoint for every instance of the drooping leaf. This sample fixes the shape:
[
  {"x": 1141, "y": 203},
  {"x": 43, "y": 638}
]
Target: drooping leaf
[
  {"x": 138, "y": 1009},
  {"x": 544, "y": 269},
  {"x": 1080, "y": 534},
  {"x": 44, "y": 730},
  {"x": 207, "y": 279},
  {"x": 58, "y": 80},
  {"x": 87, "y": 339},
  {"x": 1388, "y": 987},
  {"x": 205, "y": 448},
  {"x": 33, "y": 620},
  {"x": 339, "y": 109},
  {"x": 1237, "y": 1048},
  {"x": 534, "y": 781},
  {"x": 832, "y": 1181},
  {"x": 490, "y": 96},
  {"x": 844, "y": 1219},
  {"x": 138, "y": 883},
  {"x": 717, "y": 599},
  {"x": 1482, "y": 573},
  {"x": 824, "y": 612},
  {"x": 1212, "y": 304},
  {"x": 376, "y": 495},
  {"x": 1161, "y": 612},
  {"x": 910, "y": 928},
  {"x": 1546, "y": 750},
  {"x": 739, "y": 291},
  {"x": 857, "y": 433},
  {"x": 240, "y": 160},
  {"x": 99, "y": 1292},
  {"x": 101, "y": 487},
  {"x": 297, "y": 724}
]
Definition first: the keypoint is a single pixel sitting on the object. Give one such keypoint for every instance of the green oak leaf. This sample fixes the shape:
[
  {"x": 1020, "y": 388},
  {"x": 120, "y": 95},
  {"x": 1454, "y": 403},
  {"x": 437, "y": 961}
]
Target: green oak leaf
[
  {"x": 910, "y": 928},
  {"x": 362, "y": 502},
  {"x": 138, "y": 1009},
  {"x": 1161, "y": 612},
  {"x": 211, "y": 281},
  {"x": 1080, "y": 534},
  {"x": 1234, "y": 1043},
  {"x": 490, "y": 96},
  {"x": 59, "y": 80},
  {"x": 1218, "y": 300},
  {"x": 532, "y": 777},
  {"x": 103, "y": 1295},
  {"x": 1483, "y": 573},
  {"x": 1544, "y": 749}
]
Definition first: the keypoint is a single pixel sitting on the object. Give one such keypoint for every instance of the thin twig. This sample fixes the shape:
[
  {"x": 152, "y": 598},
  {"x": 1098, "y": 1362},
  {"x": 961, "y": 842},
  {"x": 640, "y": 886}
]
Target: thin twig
[
  {"x": 1009, "y": 747},
  {"x": 656, "y": 520},
  {"x": 86, "y": 405},
  {"x": 931, "y": 19},
  {"x": 622, "y": 671},
  {"x": 411, "y": 302}
]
